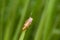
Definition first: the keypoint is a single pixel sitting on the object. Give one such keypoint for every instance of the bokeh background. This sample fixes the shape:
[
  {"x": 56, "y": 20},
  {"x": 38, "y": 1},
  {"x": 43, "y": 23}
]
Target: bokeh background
[{"x": 45, "y": 24}]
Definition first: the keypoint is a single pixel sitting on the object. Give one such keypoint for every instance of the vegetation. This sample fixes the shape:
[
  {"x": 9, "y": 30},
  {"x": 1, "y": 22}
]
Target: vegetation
[{"x": 45, "y": 24}]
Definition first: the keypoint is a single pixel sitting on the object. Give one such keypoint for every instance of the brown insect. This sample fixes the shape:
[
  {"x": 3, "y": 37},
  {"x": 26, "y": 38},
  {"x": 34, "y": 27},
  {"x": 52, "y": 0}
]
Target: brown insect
[{"x": 27, "y": 23}]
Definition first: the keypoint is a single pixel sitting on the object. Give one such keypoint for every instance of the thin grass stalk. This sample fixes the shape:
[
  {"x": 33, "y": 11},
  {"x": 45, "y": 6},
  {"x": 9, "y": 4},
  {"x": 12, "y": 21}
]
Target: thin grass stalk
[
  {"x": 49, "y": 19},
  {"x": 10, "y": 26},
  {"x": 22, "y": 35},
  {"x": 35, "y": 9},
  {"x": 40, "y": 28},
  {"x": 39, "y": 32},
  {"x": 2, "y": 19},
  {"x": 21, "y": 20}
]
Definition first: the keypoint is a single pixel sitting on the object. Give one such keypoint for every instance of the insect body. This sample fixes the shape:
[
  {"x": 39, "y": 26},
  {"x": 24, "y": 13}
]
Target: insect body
[{"x": 27, "y": 23}]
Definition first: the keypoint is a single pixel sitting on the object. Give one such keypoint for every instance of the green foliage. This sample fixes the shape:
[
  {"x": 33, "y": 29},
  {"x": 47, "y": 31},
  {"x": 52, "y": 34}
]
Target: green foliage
[{"x": 45, "y": 14}]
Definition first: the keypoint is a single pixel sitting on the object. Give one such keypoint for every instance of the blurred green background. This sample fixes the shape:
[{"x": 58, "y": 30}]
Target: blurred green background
[{"x": 45, "y": 14}]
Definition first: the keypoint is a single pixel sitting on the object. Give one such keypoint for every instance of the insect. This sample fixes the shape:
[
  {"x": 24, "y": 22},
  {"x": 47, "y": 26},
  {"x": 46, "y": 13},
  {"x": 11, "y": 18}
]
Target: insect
[{"x": 27, "y": 23}]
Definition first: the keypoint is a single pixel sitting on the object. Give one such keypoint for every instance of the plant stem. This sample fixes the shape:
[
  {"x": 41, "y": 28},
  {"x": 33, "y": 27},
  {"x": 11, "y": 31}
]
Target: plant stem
[
  {"x": 2, "y": 18},
  {"x": 10, "y": 22},
  {"x": 22, "y": 35},
  {"x": 21, "y": 20},
  {"x": 49, "y": 20}
]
